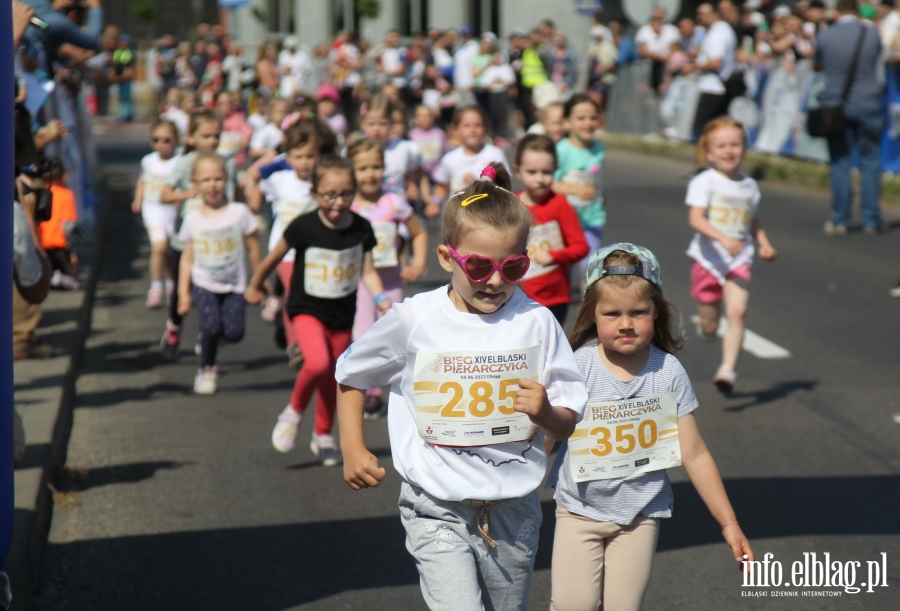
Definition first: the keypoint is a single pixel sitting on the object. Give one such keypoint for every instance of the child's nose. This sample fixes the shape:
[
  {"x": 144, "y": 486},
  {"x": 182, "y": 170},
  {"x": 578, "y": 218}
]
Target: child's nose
[{"x": 495, "y": 280}]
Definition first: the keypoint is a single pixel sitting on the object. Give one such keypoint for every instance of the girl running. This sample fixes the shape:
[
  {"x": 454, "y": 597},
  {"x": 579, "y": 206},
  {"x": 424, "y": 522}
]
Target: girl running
[
  {"x": 723, "y": 205},
  {"x": 469, "y": 500},
  {"x": 608, "y": 506},
  {"x": 580, "y": 173},
  {"x": 386, "y": 211},
  {"x": 556, "y": 239},
  {"x": 333, "y": 247},
  {"x": 236, "y": 133},
  {"x": 204, "y": 131},
  {"x": 401, "y": 157},
  {"x": 159, "y": 218},
  {"x": 460, "y": 166},
  {"x": 432, "y": 143},
  {"x": 217, "y": 237}
]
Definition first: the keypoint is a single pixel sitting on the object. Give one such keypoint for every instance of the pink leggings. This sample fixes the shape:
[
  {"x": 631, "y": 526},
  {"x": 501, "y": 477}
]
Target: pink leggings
[
  {"x": 321, "y": 346},
  {"x": 367, "y": 314},
  {"x": 285, "y": 271}
]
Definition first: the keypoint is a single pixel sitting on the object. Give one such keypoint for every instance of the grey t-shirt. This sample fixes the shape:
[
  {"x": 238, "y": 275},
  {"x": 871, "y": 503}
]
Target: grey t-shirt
[{"x": 834, "y": 52}]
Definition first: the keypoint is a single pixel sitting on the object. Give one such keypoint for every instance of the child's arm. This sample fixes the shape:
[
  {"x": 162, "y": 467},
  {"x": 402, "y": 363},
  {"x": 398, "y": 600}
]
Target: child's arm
[
  {"x": 700, "y": 224},
  {"x": 252, "y": 192},
  {"x": 412, "y": 185},
  {"x": 766, "y": 251},
  {"x": 251, "y": 243},
  {"x": 576, "y": 246},
  {"x": 184, "y": 278},
  {"x": 372, "y": 281},
  {"x": 255, "y": 294},
  {"x": 438, "y": 197},
  {"x": 170, "y": 196},
  {"x": 586, "y": 192},
  {"x": 425, "y": 187},
  {"x": 361, "y": 468},
  {"x": 419, "y": 238},
  {"x": 704, "y": 474},
  {"x": 531, "y": 399},
  {"x": 138, "y": 196}
]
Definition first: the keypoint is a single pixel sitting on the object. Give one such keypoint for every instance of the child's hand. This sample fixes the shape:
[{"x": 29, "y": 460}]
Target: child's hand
[
  {"x": 254, "y": 296},
  {"x": 734, "y": 247},
  {"x": 384, "y": 306},
  {"x": 738, "y": 543},
  {"x": 184, "y": 304},
  {"x": 531, "y": 399},
  {"x": 767, "y": 253},
  {"x": 136, "y": 206},
  {"x": 542, "y": 257},
  {"x": 412, "y": 191},
  {"x": 192, "y": 192},
  {"x": 586, "y": 192},
  {"x": 361, "y": 469},
  {"x": 411, "y": 273},
  {"x": 432, "y": 210}
]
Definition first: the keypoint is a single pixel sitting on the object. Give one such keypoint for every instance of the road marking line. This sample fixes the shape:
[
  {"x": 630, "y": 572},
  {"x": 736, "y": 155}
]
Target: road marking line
[
  {"x": 897, "y": 418},
  {"x": 755, "y": 344}
]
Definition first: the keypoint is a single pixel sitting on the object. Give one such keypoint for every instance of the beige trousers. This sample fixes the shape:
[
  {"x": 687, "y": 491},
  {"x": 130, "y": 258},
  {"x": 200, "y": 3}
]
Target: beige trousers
[
  {"x": 601, "y": 565},
  {"x": 26, "y": 317}
]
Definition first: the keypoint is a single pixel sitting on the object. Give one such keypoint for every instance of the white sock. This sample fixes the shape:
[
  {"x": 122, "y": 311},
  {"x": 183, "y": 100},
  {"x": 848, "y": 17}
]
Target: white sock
[{"x": 156, "y": 285}]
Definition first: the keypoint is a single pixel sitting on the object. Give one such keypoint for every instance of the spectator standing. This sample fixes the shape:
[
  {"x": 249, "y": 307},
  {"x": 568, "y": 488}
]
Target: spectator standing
[
  {"x": 165, "y": 61},
  {"x": 479, "y": 65},
  {"x": 392, "y": 60},
  {"x": 654, "y": 42},
  {"x": 267, "y": 70},
  {"x": 63, "y": 29},
  {"x": 562, "y": 64},
  {"x": 198, "y": 60},
  {"x": 715, "y": 63},
  {"x": 601, "y": 68},
  {"x": 295, "y": 66},
  {"x": 498, "y": 78},
  {"x": 463, "y": 79},
  {"x": 691, "y": 36},
  {"x": 863, "y": 119},
  {"x": 624, "y": 42},
  {"x": 123, "y": 63},
  {"x": 233, "y": 67}
]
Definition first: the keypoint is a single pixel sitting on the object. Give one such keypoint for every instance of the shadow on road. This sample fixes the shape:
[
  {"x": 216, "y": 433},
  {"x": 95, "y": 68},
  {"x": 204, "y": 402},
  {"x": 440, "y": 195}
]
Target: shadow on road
[{"x": 779, "y": 391}]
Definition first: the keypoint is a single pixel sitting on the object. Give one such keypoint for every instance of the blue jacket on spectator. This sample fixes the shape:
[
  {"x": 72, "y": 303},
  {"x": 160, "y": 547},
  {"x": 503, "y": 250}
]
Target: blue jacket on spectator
[{"x": 62, "y": 31}]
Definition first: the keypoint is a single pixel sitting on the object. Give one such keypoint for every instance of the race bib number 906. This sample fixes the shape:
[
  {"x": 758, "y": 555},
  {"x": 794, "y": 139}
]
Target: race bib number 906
[
  {"x": 332, "y": 274},
  {"x": 467, "y": 398},
  {"x": 620, "y": 438}
]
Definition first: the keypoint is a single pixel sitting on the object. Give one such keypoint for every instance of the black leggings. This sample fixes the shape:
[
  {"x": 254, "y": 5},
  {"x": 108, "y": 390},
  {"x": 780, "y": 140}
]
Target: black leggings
[
  {"x": 709, "y": 107},
  {"x": 174, "y": 316}
]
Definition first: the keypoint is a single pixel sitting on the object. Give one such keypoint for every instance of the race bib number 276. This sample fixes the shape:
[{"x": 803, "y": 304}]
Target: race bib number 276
[
  {"x": 620, "y": 438},
  {"x": 467, "y": 398}
]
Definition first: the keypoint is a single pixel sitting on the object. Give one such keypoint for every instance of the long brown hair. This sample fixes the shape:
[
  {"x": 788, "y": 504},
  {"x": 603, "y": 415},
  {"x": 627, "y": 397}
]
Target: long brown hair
[{"x": 664, "y": 335}]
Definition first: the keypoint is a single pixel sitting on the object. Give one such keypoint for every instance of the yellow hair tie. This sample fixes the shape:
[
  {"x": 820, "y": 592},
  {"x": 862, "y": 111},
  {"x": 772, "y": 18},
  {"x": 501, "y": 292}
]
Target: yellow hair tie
[{"x": 472, "y": 199}]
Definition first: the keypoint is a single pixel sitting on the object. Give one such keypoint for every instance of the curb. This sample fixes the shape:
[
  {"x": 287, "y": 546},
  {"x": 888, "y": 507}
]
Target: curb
[{"x": 24, "y": 568}]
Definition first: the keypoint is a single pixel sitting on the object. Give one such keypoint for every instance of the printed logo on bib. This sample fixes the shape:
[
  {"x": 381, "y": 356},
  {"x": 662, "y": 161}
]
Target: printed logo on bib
[
  {"x": 385, "y": 252},
  {"x": 332, "y": 274},
  {"x": 467, "y": 398},
  {"x": 216, "y": 250},
  {"x": 730, "y": 215},
  {"x": 621, "y": 438},
  {"x": 547, "y": 238},
  {"x": 585, "y": 178},
  {"x": 289, "y": 210},
  {"x": 153, "y": 186}
]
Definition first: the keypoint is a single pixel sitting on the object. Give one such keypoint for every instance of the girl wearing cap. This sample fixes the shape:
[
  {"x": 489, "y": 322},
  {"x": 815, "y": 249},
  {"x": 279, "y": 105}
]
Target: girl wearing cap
[
  {"x": 477, "y": 371},
  {"x": 611, "y": 485}
]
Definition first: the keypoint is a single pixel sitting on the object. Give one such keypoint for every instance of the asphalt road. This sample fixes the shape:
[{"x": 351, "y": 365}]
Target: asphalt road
[{"x": 173, "y": 501}]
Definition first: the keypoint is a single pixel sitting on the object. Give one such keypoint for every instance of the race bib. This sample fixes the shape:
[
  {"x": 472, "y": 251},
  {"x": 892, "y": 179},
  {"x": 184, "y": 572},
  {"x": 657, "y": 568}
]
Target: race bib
[
  {"x": 332, "y": 274},
  {"x": 385, "y": 252},
  {"x": 467, "y": 398},
  {"x": 730, "y": 215},
  {"x": 585, "y": 178},
  {"x": 547, "y": 238},
  {"x": 620, "y": 438},
  {"x": 189, "y": 205},
  {"x": 230, "y": 144},
  {"x": 217, "y": 250},
  {"x": 289, "y": 210},
  {"x": 153, "y": 186}
]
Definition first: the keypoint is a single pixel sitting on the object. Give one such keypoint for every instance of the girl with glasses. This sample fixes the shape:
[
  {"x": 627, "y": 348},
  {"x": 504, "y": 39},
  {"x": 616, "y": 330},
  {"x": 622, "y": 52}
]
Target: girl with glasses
[
  {"x": 478, "y": 374},
  {"x": 333, "y": 253}
]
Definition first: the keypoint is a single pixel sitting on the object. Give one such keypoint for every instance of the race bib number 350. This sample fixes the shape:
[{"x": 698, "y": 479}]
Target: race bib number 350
[
  {"x": 332, "y": 274},
  {"x": 620, "y": 438},
  {"x": 467, "y": 398}
]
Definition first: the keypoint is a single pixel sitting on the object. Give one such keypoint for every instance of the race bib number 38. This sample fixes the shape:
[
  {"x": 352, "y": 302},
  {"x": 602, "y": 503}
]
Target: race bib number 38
[
  {"x": 467, "y": 398},
  {"x": 620, "y": 438},
  {"x": 332, "y": 274}
]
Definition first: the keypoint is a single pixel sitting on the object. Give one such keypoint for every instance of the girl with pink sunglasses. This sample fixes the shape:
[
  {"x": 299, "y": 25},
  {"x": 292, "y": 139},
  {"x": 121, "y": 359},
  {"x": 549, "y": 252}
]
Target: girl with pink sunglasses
[{"x": 478, "y": 373}]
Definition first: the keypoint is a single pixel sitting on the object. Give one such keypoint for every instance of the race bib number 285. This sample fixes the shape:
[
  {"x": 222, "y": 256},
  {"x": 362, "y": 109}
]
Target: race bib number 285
[
  {"x": 467, "y": 398},
  {"x": 620, "y": 438}
]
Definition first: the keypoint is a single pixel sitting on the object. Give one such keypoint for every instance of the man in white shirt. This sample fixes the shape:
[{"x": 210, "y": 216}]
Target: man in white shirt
[
  {"x": 715, "y": 63},
  {"x": 294, "y": 66},
  {"x": 392, "y": 60},
  {"x": 654, "y": 42},
  {"x": 463, "y": 79}
]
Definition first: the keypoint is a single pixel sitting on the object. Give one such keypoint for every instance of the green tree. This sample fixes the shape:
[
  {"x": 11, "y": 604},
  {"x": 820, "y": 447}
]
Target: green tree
[
  {"x": 368, "y": 9},
  {"x": 145, "y": 12}
]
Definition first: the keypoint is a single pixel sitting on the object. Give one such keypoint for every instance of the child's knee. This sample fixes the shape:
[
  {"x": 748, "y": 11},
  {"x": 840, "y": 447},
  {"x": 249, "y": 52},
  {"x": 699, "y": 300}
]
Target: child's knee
[
  {"x": 159, "y": 248},
  {"x": 233, "y": 334}
]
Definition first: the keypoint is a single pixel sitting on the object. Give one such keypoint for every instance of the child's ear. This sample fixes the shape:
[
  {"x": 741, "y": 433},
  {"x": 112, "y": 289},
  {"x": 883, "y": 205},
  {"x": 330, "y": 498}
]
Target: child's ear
[{"x": 444, "y": 258}]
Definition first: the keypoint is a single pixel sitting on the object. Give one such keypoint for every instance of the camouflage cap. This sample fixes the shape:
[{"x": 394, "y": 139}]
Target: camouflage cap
[{"x": 649, "y": 268}]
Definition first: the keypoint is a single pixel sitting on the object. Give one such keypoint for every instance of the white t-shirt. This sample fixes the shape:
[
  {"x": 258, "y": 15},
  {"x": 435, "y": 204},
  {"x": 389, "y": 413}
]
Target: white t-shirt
[
  {"x": 218, "y": 244},
  {"x": 456, "y": 164},
  {"x": 463, "y": 79},
  {"x": 658, "y": 44},
  {"x": 257, "y": 121},
  {"x": 730, "y": 207},
  {"x": 269, "y": 136},
  {"x": 290, "y": 198},
  {"x": 392, "y": 60},
  {"x": 719, "y": 43},
  {"x": 386, "y": 354},
  {"x": 299, "y": 67},
  {"x": 154, "y": 172},
  {"x": 400, "y": 157},
  {"x": 180, "y": 119},
  {"x": 498, "y": 79}
]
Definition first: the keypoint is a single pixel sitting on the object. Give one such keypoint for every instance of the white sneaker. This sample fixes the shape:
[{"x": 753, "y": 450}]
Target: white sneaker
[
  {"x": 725, "y": 378},
  {"x": 895, "y": 292},
  {"x": 205, "y": 381},
  {"x": 326, "y": 451},
  {"x": 285, "y": 434}
]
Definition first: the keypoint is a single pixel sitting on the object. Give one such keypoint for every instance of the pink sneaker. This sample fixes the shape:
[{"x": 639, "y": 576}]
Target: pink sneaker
[
  {"x": 154, "y": 298},
  {"x": 270, "y": 309}
]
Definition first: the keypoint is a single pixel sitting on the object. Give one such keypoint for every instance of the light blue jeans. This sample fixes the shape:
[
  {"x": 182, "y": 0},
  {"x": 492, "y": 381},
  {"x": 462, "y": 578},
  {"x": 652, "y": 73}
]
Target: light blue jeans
[{"x": 862, "y": 134}]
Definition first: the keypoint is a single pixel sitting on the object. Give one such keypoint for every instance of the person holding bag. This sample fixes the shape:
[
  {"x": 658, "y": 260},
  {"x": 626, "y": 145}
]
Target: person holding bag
[{"x": 850, "y": 116}]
